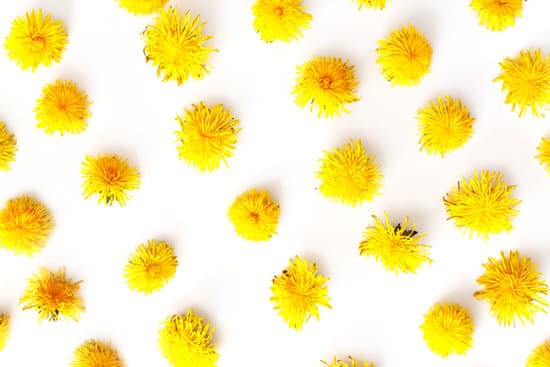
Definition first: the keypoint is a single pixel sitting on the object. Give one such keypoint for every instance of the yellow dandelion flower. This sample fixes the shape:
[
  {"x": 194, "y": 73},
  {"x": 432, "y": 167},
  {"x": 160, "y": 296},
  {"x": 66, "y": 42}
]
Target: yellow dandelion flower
[
  {"x": 497, "y": 15},
  {"x": 186, "y": 340},
  {"x": 298, "y": 292},
  {"x": 176, "y": 46},
  {"x": 150, "y": 267},
  {"x": 95, "y": 353},
  {"x": 482, "y": 205},
  {"x": 327, "y": 84},
  {"x": 447, "y": 329},
  {"x": 398, "y": 249},
  {"x": 349, "y": 175},
  {"x": 513, "y": 287},
  {"x": 110, "y": 177},
  {"x": 25, "y": 226},
  {"x": 342, "y": 363},
  {"x": 207, "y": 136},
  {"x": 141, "y": 7},
  {"x": 280, "y": 20},
  {"x": 254, "y": 215},
  {"x": 444, "y": 126},
  {"x": 405, "y": 56},
  {"x": 36, "y": 39},
  {"x": 526, "y": 82},
  {"x": 374, "y": 4},
  {"x": 540, "y": 356},
  {"x": 4, "y": 330},
  {"x": 62, "y": 108},
  {"x": 544, "y": 153},
  {"x": 53, "y": 296},
  {"x": 8, "y": 148}
]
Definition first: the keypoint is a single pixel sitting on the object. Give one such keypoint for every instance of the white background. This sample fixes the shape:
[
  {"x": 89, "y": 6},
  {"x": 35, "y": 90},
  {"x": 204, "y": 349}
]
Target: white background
[{"x": 375, "y": 314}]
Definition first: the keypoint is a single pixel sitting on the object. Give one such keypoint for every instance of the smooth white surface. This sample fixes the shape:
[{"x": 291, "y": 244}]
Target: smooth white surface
[{"x": 375, "y": 314}]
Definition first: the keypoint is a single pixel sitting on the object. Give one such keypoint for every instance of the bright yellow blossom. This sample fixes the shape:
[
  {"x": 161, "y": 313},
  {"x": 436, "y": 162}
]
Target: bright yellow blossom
[
  {"x": 150, "y": 267},
  {"x": 53, "y": 296},
  {"x": 398, "y": 248},
  {"x": 298, "y": 292},
  {"x": 36, "y": 39},
  {"x": 374, "y": 4},
  {"x": 444, "y": 126},
  {"x": 110, "y": 177},
  {"x": 25, "y": 226},
  {"x": 4, "y": 330},
  {"x": 141, "y": 7},
  {"x": 62, "y": 108},
  {"x": 351, "y": 363},
  {"x": 526, "y": 82},
  {"x": 207, "y": 136},
  {"x": 8, "y": 148},
  {"x": 186, "y": 340},
  {"x": 95, "y": 353},
  {"x": 349, "y": 175},
  {"x": 175, "y": 45},
  {"x": 544, "y": 153},
  {"x": 540, "y": 356},
  {"x": 405, "y": 56},
  {"x": 497, "y": 15},
  {"x": 482, "y": 205},
  {"x": 327, "y": 84},
  {"x": 448, "y": 329},
  {"x": 280, "y": 20},
  {"x": 513, "y": 287},
  {"x": 254, "y": 215}
]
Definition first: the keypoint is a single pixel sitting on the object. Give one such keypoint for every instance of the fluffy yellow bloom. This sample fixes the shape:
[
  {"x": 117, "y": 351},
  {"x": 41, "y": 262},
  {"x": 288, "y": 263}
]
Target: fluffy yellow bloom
[
  {"x": 4, "y": 330},
  {"x": 176, "y": 46},
  {"x": 405, "y": 56},
  {"x": 110, "y": 177},
  {"x": 540, "y": 356},
  {"x": 349, "y": 175},
  {"x": 444, "y": 126},
  {"x": 398, "y": 249},
  {"x": 186, "y": 340},
  {"x": 25, "y": 226},
  {"x": 482, "y": 205},
  {"x": 375, "y": 4},
  {"x": 150, "y": 267},
  {"x": 53, "y": 296},
  {"x": 497, "y": 15},
  {"x": 280, "y": 20},
  {"x": 35, "y": 40},
  {"x": 352, "y": 363},
  {"x": 448, "y": 329},
  {"x": 513, "y": 287},
  {"x": 8, "y": 148},
  {"x": 62, "y": 108},
  {"x": 298, "y": 292},
  {"x": 207, "y": 136},
  {"x": 327, "y": 84},
  {"x": 141, "y": 7},
  {"x": 526, "y": 82},
  {"x": 254, "y": 215},
  {"x": 544, "y": 153},
  {"x": 94, "y": 353}
]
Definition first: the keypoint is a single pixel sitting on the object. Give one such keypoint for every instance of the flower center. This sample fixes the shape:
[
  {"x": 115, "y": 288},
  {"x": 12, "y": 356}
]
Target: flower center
[
  {"x": 254, "y": 217},
  {"x": 38, "y": 43},
  {"x": 280, "y": 11},
  {"x": 325, "y": 82},
  {"x": 62, "y": 106},
  {"x": 111, "y": 174},
  {"x": 153, "y": 270}
]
